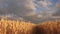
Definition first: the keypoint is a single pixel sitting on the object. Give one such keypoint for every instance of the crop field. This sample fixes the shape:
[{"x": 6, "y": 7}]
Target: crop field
[
  {"x": 50, "y": 27},
  {"x": 15, "y": 27},
  {"x": 21, "y": 27}
]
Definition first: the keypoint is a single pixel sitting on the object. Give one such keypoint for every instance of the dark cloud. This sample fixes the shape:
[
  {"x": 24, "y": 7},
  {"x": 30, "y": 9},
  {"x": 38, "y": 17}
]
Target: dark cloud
[
  {"x": 19, "y": 7},
  {"x": 57, "y": 10},
  {"x": 15, "y": 9},
  {"x": 57, "y": 13},
  {"x": 25, "y": 9}
]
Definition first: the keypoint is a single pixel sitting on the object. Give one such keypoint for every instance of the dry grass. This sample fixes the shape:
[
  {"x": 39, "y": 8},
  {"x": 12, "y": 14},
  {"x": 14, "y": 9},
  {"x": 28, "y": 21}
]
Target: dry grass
[
  {"x": 49, "y": 27},
  {"x": 21, "y": 27},
  {"x": 15, "y": 27}
]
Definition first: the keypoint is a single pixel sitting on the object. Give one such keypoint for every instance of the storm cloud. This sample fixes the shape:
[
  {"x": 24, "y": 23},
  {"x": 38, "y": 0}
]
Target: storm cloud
[
  {"x": 57, "y": 10},
  {"x": 19, "y": 7},
  {"x": 27, "y": 10}
]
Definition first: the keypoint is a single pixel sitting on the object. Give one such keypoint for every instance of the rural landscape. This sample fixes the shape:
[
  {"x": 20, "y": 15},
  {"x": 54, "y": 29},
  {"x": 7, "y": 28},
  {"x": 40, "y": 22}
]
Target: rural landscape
[
  {"x": 21, "y": 27},
  {"x": 29, "y": 16}
]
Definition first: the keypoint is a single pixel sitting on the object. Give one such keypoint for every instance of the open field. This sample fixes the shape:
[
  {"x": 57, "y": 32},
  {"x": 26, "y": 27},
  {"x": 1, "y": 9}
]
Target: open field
[
  {"x": 21, "y": 27},
  {"x": 49, "y": 27},
  {"x": 15, "y": 27}
]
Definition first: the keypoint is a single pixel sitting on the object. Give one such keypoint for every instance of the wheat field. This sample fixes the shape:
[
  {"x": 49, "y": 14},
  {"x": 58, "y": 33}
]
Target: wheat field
[
  {"x": 15, "y": 27},
  {"x": 21, "y": 27},
  {"x": 50, "y": 27}
]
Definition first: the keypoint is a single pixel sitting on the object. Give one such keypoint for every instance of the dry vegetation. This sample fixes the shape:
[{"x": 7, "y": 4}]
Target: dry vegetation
[
  {"x": 50, "y": 27},
  {"x": 21, "y": 27},
  {"x": 15, "y": 27}
]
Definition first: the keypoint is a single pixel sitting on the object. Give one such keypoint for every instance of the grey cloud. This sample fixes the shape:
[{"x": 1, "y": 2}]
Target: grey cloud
[
  {"x": 46, "y": 15},
  {"x": 24, "y": 9},
  {"x": 57, "y": 10},
  {"x": 44, "y": 3},
  {"x": 19, "y": 7},
  {"x": 57, "y": 13},
  {"x": 14, "y": 9}
]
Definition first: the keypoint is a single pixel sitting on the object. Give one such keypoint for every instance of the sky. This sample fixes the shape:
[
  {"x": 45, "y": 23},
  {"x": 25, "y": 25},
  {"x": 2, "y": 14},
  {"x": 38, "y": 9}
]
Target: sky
[{"x": 30, "y": 10}]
